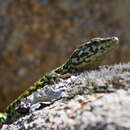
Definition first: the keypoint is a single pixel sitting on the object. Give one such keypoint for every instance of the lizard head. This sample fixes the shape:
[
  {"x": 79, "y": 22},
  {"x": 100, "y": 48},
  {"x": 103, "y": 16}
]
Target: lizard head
[{"x": 90, "y": 54}]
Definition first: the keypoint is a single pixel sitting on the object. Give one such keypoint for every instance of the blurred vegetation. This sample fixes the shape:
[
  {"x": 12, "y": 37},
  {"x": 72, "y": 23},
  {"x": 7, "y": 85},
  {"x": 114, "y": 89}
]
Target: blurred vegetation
[{"x": 38, "y": 35}]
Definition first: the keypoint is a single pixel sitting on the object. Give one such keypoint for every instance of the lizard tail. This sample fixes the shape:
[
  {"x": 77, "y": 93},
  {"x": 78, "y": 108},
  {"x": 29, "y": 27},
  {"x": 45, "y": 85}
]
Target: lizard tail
[{"x": 3, "y": 118}]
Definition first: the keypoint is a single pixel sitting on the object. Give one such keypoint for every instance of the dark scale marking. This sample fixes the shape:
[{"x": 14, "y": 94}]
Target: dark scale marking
[
  {"x": 85, "y": 53},
  {"x": 18, "y": 101},
  {"x": 75, "y": 54},
  {"x": 25, "y": 94},
  {"x": 38, "y": 86},
  {"x": 31, "y": 90},
  {"x": 43, "y": 80},
  {"x": 104, "y": 41},
  {"x": 94, "y": 42},
  {"x": 14, "y": 104}
]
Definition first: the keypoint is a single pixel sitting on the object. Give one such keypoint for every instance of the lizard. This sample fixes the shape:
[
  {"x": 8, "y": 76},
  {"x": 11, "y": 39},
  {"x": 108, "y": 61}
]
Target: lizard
[{"x": 88, "y": 56}]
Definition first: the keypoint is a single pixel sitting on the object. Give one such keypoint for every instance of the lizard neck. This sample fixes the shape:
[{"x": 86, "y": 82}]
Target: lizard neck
[{"x": 65, "y": 68}]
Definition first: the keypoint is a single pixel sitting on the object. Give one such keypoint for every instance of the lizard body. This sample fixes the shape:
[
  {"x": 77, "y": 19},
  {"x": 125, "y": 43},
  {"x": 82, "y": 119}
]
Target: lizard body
[{"x": 87, "y": 56}]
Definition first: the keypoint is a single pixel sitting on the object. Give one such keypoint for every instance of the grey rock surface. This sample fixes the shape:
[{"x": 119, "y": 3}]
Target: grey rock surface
[{"x": 95, "y": 100}]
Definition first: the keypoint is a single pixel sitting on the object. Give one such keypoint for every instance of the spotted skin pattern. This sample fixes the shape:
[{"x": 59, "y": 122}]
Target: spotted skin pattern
[{"x": 87, "y": 56}]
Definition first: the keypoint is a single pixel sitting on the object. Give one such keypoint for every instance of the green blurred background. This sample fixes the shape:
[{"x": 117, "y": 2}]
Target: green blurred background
[{"x": 38, "y": 35}]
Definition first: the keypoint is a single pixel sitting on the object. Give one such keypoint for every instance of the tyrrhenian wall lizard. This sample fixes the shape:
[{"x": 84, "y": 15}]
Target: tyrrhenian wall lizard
[{"x": 87, "y": 56}]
